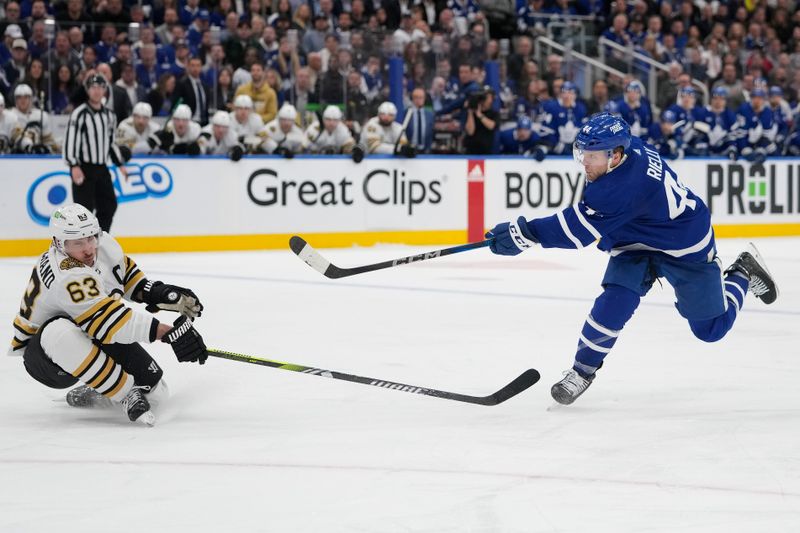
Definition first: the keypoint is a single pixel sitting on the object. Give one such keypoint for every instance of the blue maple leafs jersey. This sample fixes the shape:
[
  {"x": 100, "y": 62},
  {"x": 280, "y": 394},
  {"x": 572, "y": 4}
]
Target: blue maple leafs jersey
[
  {"x": 722, "y": 134},
  {"x": 510, "y": 144},
  {"x": 639, "y": 118},
  {"x": 756, "y": 128},
  {"x": 640, "y": 207},
  {"x": 560, "y": 125}
]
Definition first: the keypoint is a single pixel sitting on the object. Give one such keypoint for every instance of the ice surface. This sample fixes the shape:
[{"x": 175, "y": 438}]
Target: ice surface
[{"x": 674, "y": 435}]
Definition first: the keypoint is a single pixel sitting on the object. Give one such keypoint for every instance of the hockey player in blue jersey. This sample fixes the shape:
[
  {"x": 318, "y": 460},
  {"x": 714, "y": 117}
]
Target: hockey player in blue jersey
[
  {"x": 634, "y": 108},
  {"x": 721, "y": 123},
  {"x": 520, "y": 140},
  {"x": 688, "y": 128},
  {"x": 652, "y": 227},
  {"x": 756, "y": 127},
  {"x": 660, "y": 136},
  {"x": 782, "y": 113},
  {"x": 561, "y": 119}
]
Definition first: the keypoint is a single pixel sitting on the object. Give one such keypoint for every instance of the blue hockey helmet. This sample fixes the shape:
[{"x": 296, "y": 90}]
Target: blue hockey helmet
[
  {"x": 758, "y": 91},
  {"x": 603, "y": 131},
  {"x": 775, "y": 91},
  {"x": 524, "y": 122},
  {"x": 687, "y": 91},
  {"x": 722, "y": 92}
]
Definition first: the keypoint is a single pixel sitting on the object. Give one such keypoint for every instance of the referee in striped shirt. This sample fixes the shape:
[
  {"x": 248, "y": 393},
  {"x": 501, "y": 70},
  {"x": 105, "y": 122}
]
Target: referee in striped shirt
[{"x": 88, "y": 146}]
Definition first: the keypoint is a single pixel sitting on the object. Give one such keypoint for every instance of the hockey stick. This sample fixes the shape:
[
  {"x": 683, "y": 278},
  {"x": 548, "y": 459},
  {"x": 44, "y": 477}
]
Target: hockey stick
[
  {"x": 315, "y": 260},
  {"x": 404, "y": 125},
  {"x": 521, "y": 383}
]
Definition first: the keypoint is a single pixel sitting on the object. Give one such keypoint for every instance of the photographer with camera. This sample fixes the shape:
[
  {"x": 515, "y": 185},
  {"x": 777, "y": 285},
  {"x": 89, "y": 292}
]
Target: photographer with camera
[{"x": 481, "y": 122}]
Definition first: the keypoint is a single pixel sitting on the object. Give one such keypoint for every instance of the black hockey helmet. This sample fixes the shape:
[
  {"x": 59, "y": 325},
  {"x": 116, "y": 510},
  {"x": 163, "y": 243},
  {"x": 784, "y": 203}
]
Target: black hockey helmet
[{"x": 95, "y": 79}]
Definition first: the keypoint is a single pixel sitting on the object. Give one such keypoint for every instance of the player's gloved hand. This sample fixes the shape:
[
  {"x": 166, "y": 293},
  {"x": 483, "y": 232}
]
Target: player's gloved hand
[
  {"x": 125, "y": 152},
  {"x": 511, "y": 238},
  {"x": 193, "y": 149},
  {"x": 236, "y": 153},
  {"x": 358, "y": 153},
  {"x": 40, "y": 149},
  {"x": 284, "y": 151},
  {"x": 732, "y": 153},
  {"x": 160, "y": 296},
  {"x": 540, "y": 153},
  {"x": 186, "y": 342},
  {"x": 329, "y": 150},
  {"x": 408, "y": 151},
  {"x": 162, "y": 140},
  {"x": 759, "y": 156}
]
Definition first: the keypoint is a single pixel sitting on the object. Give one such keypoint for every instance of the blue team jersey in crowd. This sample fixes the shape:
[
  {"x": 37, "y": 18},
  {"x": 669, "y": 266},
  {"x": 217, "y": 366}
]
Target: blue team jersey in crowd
[{"x": 640, "y": 207}]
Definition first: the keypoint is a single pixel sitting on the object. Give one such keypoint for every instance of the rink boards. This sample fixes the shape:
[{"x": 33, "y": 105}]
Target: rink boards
[{"x": 183, "y": 204}]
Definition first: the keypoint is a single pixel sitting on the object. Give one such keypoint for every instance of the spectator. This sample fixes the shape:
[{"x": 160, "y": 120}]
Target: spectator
[
  {"x": 274, "y": 81},
  {"x": 16, "y": 69},
  {"x": 37, "y": 44},
  {"x": 599, "y": 99},
  {"x": 436, "y": 94},
  {"x": 236, "y": 46},
  {"x": 63, "y": 88},
  {"x": 164, "y": 31},
  {"x": 420, "y": 127},
  {"x": 357, "y": 108},
  {"x": 35, "y": 79},
  {"x": 314, "y": 39},
  {"x": 732, "y": 84},
  {"x": 162, "y": 97},
  {"x": 128, "y": 83},
  {"x": 242, "y": 74},
  {"x": 517, "y": 60},
  {"x": 481, "y": 123},
  {"x": 148, "y": 73},
  {"x": 223, "y": 99},
  {"x": 667, "y": 91},
  {"x": 193, "y": 93},
  {"x": 265, "y": 101},
  {"x": 12, "y": 19}
]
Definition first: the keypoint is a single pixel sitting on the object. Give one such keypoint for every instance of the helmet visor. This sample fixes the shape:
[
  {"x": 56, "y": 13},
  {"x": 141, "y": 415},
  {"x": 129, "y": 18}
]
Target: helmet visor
[{"x": 589, "y": 157}]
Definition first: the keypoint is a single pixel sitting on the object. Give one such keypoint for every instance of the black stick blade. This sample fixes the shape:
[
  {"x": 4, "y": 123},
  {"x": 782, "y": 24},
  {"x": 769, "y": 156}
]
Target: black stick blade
[
  {"x": 309, "y": 255},
  {"x": 523, "y": 382}
]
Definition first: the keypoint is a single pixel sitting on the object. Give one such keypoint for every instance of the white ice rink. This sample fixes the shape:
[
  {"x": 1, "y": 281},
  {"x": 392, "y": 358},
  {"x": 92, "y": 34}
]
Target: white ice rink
[{"x": 674, "y": 435}]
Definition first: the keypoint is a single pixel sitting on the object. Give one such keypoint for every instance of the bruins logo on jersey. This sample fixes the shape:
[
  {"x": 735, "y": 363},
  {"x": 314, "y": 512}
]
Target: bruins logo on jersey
[{"x": 70, "y": 262}]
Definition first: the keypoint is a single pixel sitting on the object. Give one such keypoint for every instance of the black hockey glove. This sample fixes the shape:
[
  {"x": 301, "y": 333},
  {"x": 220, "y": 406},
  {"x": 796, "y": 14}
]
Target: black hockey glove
[
  {"x": 125, "y": 153},
  {"x": 161, "y": 140},
  {"x": 236, "y": 153},
  {"x": 160, "y": 296},
  {"x": 408, "y": 151},
  {"x": 329, "y": 150},
  {"x": 358, "y": 153},
  {"x": 193, "y": 149},
  {"x": 285, "y": 152},
  {"x": 186, "y": 342},
  {"x": 540, "y": 153},
  {"x": 40, "y": 149}
]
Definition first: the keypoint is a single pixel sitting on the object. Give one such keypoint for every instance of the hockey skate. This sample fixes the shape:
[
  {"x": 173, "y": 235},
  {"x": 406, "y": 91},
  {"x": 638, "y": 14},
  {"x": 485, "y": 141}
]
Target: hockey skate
[
  {"x": 85, "y": 396},
  {"x": 570, "y": 387},
  {"x": 137, "y": 407},
  {"x": 752, "y": 265}
]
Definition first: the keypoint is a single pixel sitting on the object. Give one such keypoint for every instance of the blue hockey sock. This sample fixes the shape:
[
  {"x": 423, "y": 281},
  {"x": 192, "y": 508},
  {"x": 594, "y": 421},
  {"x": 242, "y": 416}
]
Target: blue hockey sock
[
  {"x": 712, "y": 330},
  {"x": 611, "y": 310}
]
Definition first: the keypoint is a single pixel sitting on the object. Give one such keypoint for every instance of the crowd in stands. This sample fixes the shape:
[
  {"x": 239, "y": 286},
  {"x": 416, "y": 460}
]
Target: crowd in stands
[{"x": 289, "y": 76}]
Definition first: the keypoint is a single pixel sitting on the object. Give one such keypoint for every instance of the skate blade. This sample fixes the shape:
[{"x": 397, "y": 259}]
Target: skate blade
[
  {"x": 751, "y": 248},
  {"x": 148, "y": 419}
]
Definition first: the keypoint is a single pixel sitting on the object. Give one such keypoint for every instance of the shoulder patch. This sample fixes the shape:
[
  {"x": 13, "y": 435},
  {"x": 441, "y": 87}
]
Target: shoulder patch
[{"x": 69, "y": 263}]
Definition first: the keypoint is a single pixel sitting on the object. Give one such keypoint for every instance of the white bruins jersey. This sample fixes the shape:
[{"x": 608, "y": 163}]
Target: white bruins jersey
[
  {"x": 382, "y": 139},
  {"x": 25, "y": 138},
  {"x": 340, "y": 139},
  {"x": 137, "y": 142},
  {"x": 251, "y": 127},
  {"x": 294, "y": 140},
  {"x": 209, "y": 144},
  {"x": 90, "y": 296},
  {"x": 191, "y": 135},
  {"x": 8, "y": 123}
]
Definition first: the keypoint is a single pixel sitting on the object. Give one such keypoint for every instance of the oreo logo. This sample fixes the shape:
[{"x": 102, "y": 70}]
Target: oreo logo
[{"x": 54, "y": 189}]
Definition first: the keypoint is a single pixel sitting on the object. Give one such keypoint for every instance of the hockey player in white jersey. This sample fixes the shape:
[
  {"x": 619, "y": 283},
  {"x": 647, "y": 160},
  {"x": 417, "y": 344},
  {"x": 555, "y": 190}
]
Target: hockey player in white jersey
[
  {"x": 283, "y": 136},
  {"x": 382, "y": 135},
  {"x": 32, "y": 133},
  {"x": 8, "y": 121},
  {"x": 73, "y": 326},
  {"x": 138, "y": 132},
  {"x": 182, "y": 132},
  {"x": 217, "y": 138},
  {"x": 247, "y": 125},
  {"x": 330, "y": 137}
]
